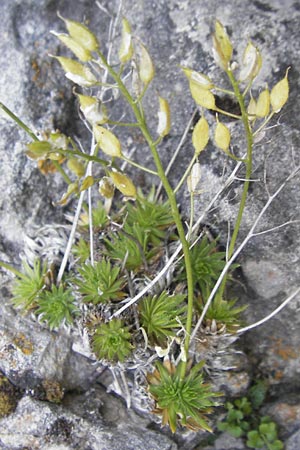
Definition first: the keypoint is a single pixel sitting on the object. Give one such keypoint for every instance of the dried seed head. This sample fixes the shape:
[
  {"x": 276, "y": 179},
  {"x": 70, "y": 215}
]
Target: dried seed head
[
  {"x": 194, "y": 177},
  {"x": 280, "y": 93},
  {"x": 123, "y": 183},
  {"x": 200, "y": 135},
  {"x": 76, "y": 167},
  {"x": 252, "y": 109},
  {"x": 77, "y": 72},
  {"x": 146, "y": 67},
  {"x": 93, "y": 110},
  {"x": 199, "y": 78},
  {"x": 164, "y": 117},
  {"x": 38, "y": 149},
  {"x": 81, "y": 34},
  {"x": 126, "y": 48},
  {"x": 252, "y": 62},
  {"x": 222, "y": 48},
  {"x": 202, "y": 96},
  {"x": 107, "y": 141},
  {"x": 87, "y": 183},
  {"x": 222, "y": 136},
  {"x": 263, "y": 104},
  {"x": 106, "y": 187},
  {"x": 79, "y": 51}
]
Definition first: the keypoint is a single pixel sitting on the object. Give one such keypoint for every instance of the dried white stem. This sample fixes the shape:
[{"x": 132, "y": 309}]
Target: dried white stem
[
  {"x": 272, "y": 314},
  {"x": 239, "y": 249}
]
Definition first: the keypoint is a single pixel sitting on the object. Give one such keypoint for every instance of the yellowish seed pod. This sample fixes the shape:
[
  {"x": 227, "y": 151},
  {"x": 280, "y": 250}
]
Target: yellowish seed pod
[
  {"x": 164, "y": 117},
  {"x": 194, "y": 178},
  {"x": 72, "y": 189},
  {"x": 252, "y": 109},
  {"x": 200, "y": 135},
  {"x": 59, "y": 140},
  {"x": 280, "y": 93},
  {"x": 77, "y": 72},
  {"x": 199, "y": 78},
  {"x": 38, "y": 149},
  {"x": 76, "y": 167},
  {"x": 251, "y": 63},
  {"x": 203, "y": 97},
  {"x": 263, "y": 104},
  {"x": 123, "y": 184},
  {"x": 126, "y": 48},
  {"x": 222, "y": 48},
  {"x": 87, "y": 183},
  {"x": 81, "y": 34},
  {"x": 146, "y": 67},
  {"x": 80, "y": 52},
  {"x": 106, "y": 187},
  {"x": 107, "y": 141},
  {"x": 222, "y": 136},
  {"x": 92, "y": 109}
]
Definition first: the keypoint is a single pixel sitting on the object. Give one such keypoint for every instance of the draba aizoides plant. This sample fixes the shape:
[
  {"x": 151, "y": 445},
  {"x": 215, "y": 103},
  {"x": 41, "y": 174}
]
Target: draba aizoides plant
[{"x": 127, "y": 247}]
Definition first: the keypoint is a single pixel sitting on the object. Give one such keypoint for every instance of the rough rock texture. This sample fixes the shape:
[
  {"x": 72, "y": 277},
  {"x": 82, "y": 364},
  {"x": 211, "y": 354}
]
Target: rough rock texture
[
  {"x": 176, "y": 33},
  {"x": 38, "y": 425}
]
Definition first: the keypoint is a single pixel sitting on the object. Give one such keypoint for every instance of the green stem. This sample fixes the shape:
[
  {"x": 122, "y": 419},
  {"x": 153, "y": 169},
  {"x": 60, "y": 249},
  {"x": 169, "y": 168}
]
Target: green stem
[
  {"x": 139, "y": 114},
  {"x": 11, "y": 269},
  {"x": 186, "y": 173},
  {"x": 138, "y": 166},
  {"x": 248, "y": 164},
  {"x": 19, "y": 122}
]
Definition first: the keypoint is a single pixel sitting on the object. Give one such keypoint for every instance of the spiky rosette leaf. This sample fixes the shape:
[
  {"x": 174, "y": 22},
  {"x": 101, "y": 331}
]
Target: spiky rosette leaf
[
  {"x": 224, "y": 312},
  {"x": 153, "y": 217},
  {"x": 100, "y": 283},
  {"x": 161, "y": 315},
  {"x": 57, "y": 307},
  {"x": 111, "y": 341},
  {"x": 184, "y": 401},
  {"x": 27, "y": 288}
]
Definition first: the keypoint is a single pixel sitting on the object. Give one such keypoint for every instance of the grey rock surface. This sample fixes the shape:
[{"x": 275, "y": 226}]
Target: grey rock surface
[
  {"x": 38, "y": 425},
  {"x": 176, "y": 33}
]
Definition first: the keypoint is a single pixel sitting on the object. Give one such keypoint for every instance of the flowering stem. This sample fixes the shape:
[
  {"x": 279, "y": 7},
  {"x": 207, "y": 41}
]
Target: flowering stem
[
  {"x": 140, "y": 117},
  {"x": 248, "y": 164}
]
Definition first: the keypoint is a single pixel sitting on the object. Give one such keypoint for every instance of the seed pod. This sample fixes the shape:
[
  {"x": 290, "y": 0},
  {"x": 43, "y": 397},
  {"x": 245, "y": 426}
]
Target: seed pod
[
  {"x": 146, "y": 67},
  {"x": 92, "y": 109},
  {"x": 81, "y": 34},
  {"x": 72, "y": 188},
  {"x": 123, "y": 184},
  {"x": 194, "y": 177},
  {"x": 199, "y": 78},
  {"x": 80, "y": 52},
  {"x": 76, "y": 167},
  {"x": 126, "y": 49},
  {"x": 59, "y": 141},
  {"x": 38, "y": 149},
  {"x": 203, "y": 97},
  {"x": 280, "y": 93},
  {"x": 200, "y": 135},
  {"x": 252, "y": 62},
  {"x": 263, "y": 104},
  {"x": 164, "y": 117},
  {"x": 222, "y": 48},
  {"x": 252, "y": 109},
  {"x": 87, "y": 183},
  {"x": 77, "y": 72},
  {"x": 106, "y": 187},
  {"x": 107, "y": 141},
  {"x": 222, "y": 136}
]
